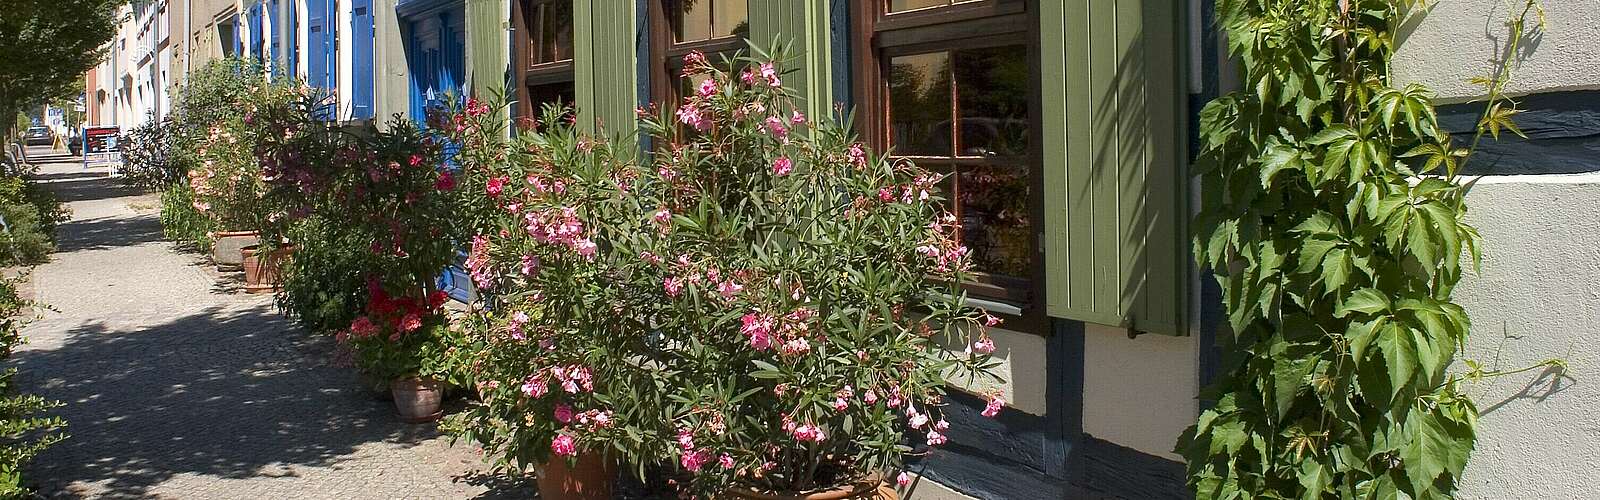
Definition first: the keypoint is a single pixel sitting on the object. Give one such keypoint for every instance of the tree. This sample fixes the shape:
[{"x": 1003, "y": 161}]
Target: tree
[{"x": 47, "y": 45}]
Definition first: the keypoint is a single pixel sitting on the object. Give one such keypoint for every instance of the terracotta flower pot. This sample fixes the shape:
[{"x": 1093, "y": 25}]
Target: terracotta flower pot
[
  {"x": 226, "y": 246},
  {"x": 589, "y": 479},
  {"x": 417, "y": 400},
  {"x": 864, "y": 490},
  {"x": 261, "y": 271}
]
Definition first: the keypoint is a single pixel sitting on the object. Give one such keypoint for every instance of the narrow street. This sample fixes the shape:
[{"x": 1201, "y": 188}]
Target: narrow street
[{"x": 177, "y": 385}]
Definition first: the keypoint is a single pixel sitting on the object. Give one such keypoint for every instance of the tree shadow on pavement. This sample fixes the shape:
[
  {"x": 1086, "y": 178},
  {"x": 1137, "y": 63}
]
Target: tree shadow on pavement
[
  {"x": 87, "y": 188},
  {"x": 107, "y": 232},
  {"x": 223, "y": 393}
]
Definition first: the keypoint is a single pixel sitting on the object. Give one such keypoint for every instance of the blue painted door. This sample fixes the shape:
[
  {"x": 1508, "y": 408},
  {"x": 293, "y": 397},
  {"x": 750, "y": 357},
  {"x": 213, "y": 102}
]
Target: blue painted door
[
  {"x": 361, "y": 40},
  {"x": 238, "y": 37},
  {"x": 436, "y": 59},
  {"x": 317, "y": 43}
]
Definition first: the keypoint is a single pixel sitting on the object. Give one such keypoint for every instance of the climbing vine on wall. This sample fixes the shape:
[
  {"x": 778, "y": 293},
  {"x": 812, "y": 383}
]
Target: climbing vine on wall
[{"x": 1333, "y": 219}]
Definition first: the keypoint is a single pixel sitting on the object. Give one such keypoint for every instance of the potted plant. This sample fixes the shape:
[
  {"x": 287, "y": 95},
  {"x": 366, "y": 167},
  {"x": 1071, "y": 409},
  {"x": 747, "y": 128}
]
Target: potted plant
[
  {"x": 401, "y": 339},
  {"x": 227, "y": 181},
  {"x": 759, "y": 305},
  {"x": 261, "y": 269}
]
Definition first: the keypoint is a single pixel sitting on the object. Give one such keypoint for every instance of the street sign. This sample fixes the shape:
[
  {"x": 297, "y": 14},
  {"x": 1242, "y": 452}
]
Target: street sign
[{"x": 100, "y": 146}]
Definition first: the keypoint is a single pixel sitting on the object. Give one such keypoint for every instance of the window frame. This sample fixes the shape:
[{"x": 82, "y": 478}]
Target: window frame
[
  {"x": 666, "y": 54},
  {"x": 526, "y": 72},
  {"x": 877, "y": 36}
]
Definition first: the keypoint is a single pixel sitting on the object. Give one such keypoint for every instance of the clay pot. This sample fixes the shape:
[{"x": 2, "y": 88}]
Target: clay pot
[
  {"x": 417, "y": 400},
  {"x": 864, "y": 490},
  {"x": 589, "y": 479},
  {"x": 226, "y": 246},
  {"x": 261, "y": 271}
]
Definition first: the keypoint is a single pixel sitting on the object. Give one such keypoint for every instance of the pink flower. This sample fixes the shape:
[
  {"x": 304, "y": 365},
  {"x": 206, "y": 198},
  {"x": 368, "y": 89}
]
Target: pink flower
[
  {"x": 673, "y": 285},
  {"x": 530, "y": 263},
  {"x": 782, "y": 166},
  {"x": 840, "y": 404},
  {"x": 662, "y": 217},
  {"x": 475, "y": 107},
  {"x": 990, "y": 320},
  {"x": 776, "y": 128},
  {"x": 809, "y": 432},
  {"x": 918, "y": 420},
  {"x": 685, "y": 439},
  {"x": 496, "y": 186},
  {"x": 726, "y": 461},
  {"x": 563, "y": 413},
  {"x": 936, "y": 439},
  {"x": 692, "y": 462},
  {"x": 363, "y": 327},
  {"x": 748, "y": 77},
  {"x": 535, "y": 386},
  {"x": 410, "y": 322},
  {"x": 445, "y": 182},
  {"x": 870, "y": 397},
  {"x": 652, "y": 258},
  {"x": 694, "y": 62},
  {"x": 796, "y": 346},
  {"x": 708, "y": 87},
  {"x": 771, "y": 75},
  {"x": 797, "y": 118},
  {"x": 759, "y": 329},
  {"x": 903, "y": 479},
  {"x": 941, "y": 425},
  {"x": 993, "y": 408},
  {"x": 585, "y": 247},
  {"x": 885, "y": 195},
  {"x": 564, "y": 446},
  {"x": 728, "y": 289},
  {"x": 983, "y": 346},
  {"x": 689, "y": 115},
  {"x": 415, "y": 160}
]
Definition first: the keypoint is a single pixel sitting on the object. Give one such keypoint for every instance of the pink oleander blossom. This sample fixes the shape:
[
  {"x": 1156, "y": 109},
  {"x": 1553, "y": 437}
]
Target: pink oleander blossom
[
  {"x": 694, "y": 461},
  {"x": 708, "y": 87},
  {"x": 726, "y": 461},
  {"x": 673, "y": 285},
  {"x": 563, "y": 413},
  {"x": 983, "y": 346},
  {"x": 728, "y": 289},
  {"x": 935, "y": 438},
  {"x": 759, "y": 330},
  {"x": 563, "y": 445},
  {"x": 776, "y": 127},
  {"x": 992, "y": 409},
  {"x": 770, "y": 74},
  {"x": 782, "y": 166},
  {"x": 496, "y": 185}
]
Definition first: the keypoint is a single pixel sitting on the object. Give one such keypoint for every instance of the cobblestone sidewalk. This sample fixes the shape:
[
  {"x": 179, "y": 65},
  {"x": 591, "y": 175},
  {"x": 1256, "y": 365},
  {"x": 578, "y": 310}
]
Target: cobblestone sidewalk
[{"x": 177, "y": 387}]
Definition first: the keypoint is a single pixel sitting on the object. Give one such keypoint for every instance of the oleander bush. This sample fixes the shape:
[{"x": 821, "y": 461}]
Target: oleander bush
[
  {"x": 147, "y": 156},
  {"x": 758, "y": 302}
]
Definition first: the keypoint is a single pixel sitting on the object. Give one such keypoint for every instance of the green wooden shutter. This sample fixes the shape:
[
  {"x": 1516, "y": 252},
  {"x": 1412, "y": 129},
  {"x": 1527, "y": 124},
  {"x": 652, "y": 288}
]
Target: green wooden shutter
[
  {"x": 488, "y": 48},
  {"x": 803, "y": 24},
  {"x": 1114, "y": 163},
  {"x": 605, "y": 52}
]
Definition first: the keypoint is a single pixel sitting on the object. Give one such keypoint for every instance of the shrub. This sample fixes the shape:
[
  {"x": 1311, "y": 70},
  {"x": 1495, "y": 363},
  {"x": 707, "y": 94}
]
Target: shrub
[
  {"x": 146, "y": 156},
  {"x": 757, "y": 303},
  {"x": 30, "y": 214},
  {"x": 23, "y": 434}
]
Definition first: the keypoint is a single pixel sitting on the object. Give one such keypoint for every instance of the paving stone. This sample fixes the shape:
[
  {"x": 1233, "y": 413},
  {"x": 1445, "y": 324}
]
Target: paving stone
[{"x": 178, "y": 387}]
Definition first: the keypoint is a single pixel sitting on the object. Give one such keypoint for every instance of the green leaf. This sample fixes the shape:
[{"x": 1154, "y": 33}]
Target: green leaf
[
  {"x": 1365, "y": 300},
  {"x": 1434, "y": 445}
]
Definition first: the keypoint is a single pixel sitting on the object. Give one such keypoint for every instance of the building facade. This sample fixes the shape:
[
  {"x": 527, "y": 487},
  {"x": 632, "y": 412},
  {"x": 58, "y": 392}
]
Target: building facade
[{"x": 1067, "y": 126}]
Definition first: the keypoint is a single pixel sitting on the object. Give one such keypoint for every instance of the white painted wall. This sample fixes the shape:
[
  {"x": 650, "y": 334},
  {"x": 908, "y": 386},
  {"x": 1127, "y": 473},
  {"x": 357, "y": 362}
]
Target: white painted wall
[
  {"x": 1458, "y": 38},
  {"x": 1538, "y": 297},
  {"x": 1139, "y": 392}
]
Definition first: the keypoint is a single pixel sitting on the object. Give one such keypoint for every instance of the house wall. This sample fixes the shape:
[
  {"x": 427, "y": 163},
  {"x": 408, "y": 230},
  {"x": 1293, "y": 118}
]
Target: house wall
[
  {"x": 1538, "y": 294},
  {"x": 392, "y": 90}
]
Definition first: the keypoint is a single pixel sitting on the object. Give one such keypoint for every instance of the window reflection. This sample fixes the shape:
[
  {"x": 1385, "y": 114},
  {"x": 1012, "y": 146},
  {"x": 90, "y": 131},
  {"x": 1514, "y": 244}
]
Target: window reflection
[
  {"x": 699, "y": 20},
  {"x": 919, "y": 104}
]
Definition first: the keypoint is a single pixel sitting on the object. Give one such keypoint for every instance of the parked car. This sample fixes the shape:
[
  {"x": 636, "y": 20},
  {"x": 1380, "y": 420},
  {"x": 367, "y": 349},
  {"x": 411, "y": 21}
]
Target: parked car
[{"x": 38, "y": 136}]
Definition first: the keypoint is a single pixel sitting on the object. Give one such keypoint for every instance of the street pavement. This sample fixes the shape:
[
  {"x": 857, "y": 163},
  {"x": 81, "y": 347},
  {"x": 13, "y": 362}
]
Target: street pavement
[{"x": 177, "y": 385}]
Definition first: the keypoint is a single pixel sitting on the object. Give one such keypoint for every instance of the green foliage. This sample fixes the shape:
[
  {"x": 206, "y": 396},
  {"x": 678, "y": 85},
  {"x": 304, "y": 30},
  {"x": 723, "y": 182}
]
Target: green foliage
[
  {"x": 1334, "y": 223},
  {"x": 30, "y": 213},
  {"x": 23, "y": 434},
  {"x": 323, "y": 286},
  {"x": 758, "y": 302},
  {"x": 181, "y": 222},
  {"x": 146, "y": 156},
  {"x": 46, "y": 46}
]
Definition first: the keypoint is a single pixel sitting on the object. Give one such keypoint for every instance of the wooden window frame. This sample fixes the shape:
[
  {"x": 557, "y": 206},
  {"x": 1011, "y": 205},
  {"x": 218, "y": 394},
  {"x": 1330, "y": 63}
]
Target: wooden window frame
[
  {"x": 666, "y": 54},
  {"x": 877, "y": 35},
  {"x": 527, "y": 73}
]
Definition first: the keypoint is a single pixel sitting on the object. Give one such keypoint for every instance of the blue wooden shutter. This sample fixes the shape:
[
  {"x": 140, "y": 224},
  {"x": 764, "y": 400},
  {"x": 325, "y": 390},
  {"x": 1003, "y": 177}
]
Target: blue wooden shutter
[
  {"x": 238, "y": 37},
  {"x": 292, "y": 63},
  {"x": 317, "y": 43},
  {"x": 275, "y": 36},
  {"x": 255, "y": 32},
  {"x": 361, "y": 39},
  {"x": 331, "y": 42}
]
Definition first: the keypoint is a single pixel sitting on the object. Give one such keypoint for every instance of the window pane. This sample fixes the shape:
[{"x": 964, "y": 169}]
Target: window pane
[
  {"x": 900, "y": 5},
  {"x": 919, "y": 105},
  {"x": 557, "y": 31},
  {"x": 691, "y": 20},
  {"x": 995, "y": 220},
  {"x": 731, "y": 18},
  {"x": 992, "y": 91}
]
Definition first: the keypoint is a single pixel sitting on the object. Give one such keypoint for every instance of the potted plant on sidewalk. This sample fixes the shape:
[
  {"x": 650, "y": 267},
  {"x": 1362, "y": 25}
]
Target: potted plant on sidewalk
[{"x": 763, "y": 308}]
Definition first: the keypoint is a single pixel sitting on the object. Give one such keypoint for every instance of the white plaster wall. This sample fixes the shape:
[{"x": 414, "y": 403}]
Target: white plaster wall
[
  {"x": 1022, "y": 366},
  {"x": 1457, "y": 39},
  {"x": 1139, "y": 392},
  {"x": 1538, "y": 297},
  {"x": 346, "y": 61}
]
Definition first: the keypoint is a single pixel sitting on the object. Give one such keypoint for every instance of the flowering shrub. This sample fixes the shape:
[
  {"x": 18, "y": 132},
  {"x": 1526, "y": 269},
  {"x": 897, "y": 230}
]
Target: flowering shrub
[
  {"x": 759, "y": 302},
  {"x": 373, "y": 213},
  {"x": 214, "y": 142}
]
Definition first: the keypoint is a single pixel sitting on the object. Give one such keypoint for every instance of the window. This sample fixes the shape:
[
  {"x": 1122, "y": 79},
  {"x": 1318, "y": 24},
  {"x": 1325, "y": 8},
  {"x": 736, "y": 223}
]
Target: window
[
  {"x": 714, "y": 27},
  {"x": 544, "y": 57},
  {"x": 950, "y": 85}
]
